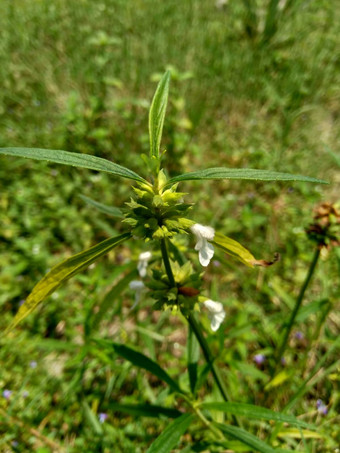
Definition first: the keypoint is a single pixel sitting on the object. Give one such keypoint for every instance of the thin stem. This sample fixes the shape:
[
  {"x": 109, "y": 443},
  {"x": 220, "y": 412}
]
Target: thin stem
[
  {"x": 198, "y": 332},
  {"x": 297, "y": 307},
  {"x": 210, "y": 360},
  {"x": 167, "y": 264}
]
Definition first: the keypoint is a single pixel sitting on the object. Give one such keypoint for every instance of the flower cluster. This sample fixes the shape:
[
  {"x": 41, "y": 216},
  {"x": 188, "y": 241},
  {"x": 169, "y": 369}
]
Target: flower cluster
[{"x": 156, "y": 212}]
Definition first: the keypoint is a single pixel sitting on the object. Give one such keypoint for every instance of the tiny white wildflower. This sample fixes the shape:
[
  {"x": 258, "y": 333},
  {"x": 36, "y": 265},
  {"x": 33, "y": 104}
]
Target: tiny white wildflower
[
  {"x": 216, "y": 313},
  {"x": 205, "y": 249},
  {"x": 143, "y": 263},
  {"x": 138, "y": 287}
]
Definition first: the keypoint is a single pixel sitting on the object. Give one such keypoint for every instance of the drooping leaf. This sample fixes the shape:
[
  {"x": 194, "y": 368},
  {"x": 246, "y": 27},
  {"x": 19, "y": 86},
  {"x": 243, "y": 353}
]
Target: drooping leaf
[
  {"x": 145, "y": 410},
  {"x": 157, "y": 114},
  {"x": 171, "y": 436},
  {"x": 248, "y": 439},
  {"x": 255, "y": 412},
  {"x": 63, "y": 272},
  {"x": 234, "y": 249},
  {"x": 142, "y": 361},
  {"x": 109, "y": 210},
  {"x": 74, "y": 159},
  {"x": 241, "y": 173}
]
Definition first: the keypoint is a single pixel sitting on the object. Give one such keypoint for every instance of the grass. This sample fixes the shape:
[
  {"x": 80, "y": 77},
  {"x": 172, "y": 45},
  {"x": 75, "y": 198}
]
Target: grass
[{"x": 80, "y": 76}]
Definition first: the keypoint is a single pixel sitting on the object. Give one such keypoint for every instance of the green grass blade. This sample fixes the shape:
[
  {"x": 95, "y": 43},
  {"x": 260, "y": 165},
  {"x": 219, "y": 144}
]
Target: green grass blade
[
  {"x": 157, "y": 114},
  {"x": 145, "y": 410},
  {"x": 241, "y": 173},
  {"x": 74, "y": 159},
  {"x": 248, "y": 439},
  {"x": 63, "y": 272},
  {"x": 255, "y": 412},
  {"x": 142, "y": 361},
  {"x": 171, "y": 436},
  {"x": 109, "y": 210}
]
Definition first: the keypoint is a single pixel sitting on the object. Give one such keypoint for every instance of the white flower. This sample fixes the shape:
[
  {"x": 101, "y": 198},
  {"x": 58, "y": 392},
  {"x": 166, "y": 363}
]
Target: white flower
[
  {"x": 138, "y": 287},
  {"x": 143, "y": 263},
  {"x": 216, "y": 313},
  {"x": 203, "y": 235}
]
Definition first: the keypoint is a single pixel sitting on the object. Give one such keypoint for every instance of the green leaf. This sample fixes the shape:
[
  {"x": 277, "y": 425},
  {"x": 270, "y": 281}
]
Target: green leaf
[
  {"x": 255, "y": 412},
  {"x": 142, "y": 361},
  {"x": 92, "y": 419},
  {"x": 193, "y": 356},
  {"x": 74, "y": 159},
  {"x": 157, "y": 114},
  {"x": 241, "y": 173},
  {"x": 145, "y": 410},
  {"x": 279, "y": 379},
  {"x": 109, "y": 210},
  {"x": 234, "y": 249},
  {"x": 171, "y": 436},
  {"x": 246, "y": 438},
  {"x": 63, "y": 272}
]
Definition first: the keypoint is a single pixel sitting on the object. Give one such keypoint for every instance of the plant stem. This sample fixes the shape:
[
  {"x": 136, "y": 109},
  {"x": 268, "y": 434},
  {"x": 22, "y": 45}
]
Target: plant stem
[
  {"x": 167, "y": 265},
  {"x": 296, "y": 308},
  {"x": 198, "y": 332},
  {"x": 210, "y": 359}
]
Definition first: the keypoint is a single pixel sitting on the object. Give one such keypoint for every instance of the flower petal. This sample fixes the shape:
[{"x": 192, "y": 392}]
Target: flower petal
[{"x": 206, "y": 253}]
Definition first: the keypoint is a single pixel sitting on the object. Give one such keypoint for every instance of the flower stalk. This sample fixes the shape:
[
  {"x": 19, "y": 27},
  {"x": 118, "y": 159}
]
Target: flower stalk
[{"x": 298, "y": 303}]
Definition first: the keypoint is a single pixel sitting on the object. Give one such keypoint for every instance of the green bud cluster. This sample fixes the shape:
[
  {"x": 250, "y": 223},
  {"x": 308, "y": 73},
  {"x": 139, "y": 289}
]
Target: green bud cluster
[
  {"x": 157, "y": 213},
  {"x": 184, "y": 296}
]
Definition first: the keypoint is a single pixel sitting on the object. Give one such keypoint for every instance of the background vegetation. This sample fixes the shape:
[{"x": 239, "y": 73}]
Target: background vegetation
[{"x": 246, "y": 91}]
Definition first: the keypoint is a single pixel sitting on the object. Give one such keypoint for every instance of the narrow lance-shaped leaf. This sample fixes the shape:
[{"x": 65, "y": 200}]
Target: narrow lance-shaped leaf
[
  {"x": 241, "y": 173},
  {"x": 248, "y": 439},
  {"x": 74, "y": 159},
  {"x": 109, "y": 210},
  {"x": 142, "y": 361},
  {"x": 157, "y": 114},
  {"x": 235, "y": 249},
  {"x": 171, "y": 436},
  {"x": 63, "y": 272},
  {"x": 254, "y": 412}
]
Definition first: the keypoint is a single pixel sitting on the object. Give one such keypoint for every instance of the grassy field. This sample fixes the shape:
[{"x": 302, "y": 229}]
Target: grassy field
[{"x": 248, "y": 89}]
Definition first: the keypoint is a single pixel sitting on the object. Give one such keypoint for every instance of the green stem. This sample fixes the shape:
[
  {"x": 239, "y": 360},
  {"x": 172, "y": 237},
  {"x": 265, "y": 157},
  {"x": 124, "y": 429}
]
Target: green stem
[
  {"x": 296, "y": 308},
  {"x": 210, "y": 360},
  {"x": 167, "y": 264},
  {"x": 198, "y": 332}
]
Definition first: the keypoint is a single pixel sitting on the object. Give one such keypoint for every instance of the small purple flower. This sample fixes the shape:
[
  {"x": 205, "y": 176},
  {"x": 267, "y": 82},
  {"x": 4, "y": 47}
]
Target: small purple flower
[
  {"x": 216, "y": 263},
  {"x": 102, "y": 417},
  {"x": 321, "y": 407},
  {"x": 283, "y": 361},
  {"x": 25, "y": 393},
  {"x": 7, "y": 394},
  {"x": 21, "y": 302},
  {"x": 33, "y": 364},
  {"x": 15, "y": 443},
  {"x": 259, "y": 359},
  {"x": 299, "y": 335}
]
